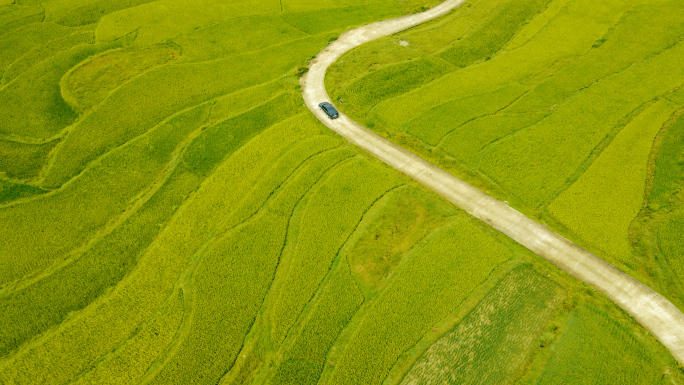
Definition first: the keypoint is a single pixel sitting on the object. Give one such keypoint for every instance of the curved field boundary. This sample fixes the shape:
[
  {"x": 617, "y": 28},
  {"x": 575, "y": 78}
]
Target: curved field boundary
[{"x": 660, "y": 317}]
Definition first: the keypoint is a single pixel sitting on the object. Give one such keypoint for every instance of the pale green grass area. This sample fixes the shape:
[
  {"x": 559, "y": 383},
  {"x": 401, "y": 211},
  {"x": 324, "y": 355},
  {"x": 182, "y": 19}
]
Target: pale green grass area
[
  {"x": 489, "y": 37},
  {"x": 492, "y": 344},
  {"x": 438, "y": 276},
  {"x": 72, "y": 215},
  {"x": 16, "y": 17},
  {"x": 535, "y": 163},
  {"x": 47, "y": 301},
  {"x": 388, "y": 233},
  {"x": 333, "y": 309},
  {"x": 544, "y": 51},
  {"x": 129, "y": 361},
  {"x": 598, "y": 350},
  {"x": 329, "y": 218},
  {"x": 602, "y": 203},
  {"x": 390, "y": 81},
  {"x": 84, "y": 13},
  {"x": 290, "y": 6}
]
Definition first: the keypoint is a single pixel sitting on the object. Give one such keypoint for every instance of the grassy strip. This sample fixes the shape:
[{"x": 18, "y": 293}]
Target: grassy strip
[
  {"x": 48, "y": 301},
  {"x": 131, "y": 360},
  {"x": 19, "y": 16},
  {"x": 439, "y": 275},
  {"x": 32, "y": 310},
  {"x": 388, "y": 233},
  {"x": 157, "y": 21},
  {"x": 89, "y": 83},
  {"x": 534, "y": 164},
  {"x": 92, "y": 12},
  {"x": 466, "y": 142},
  {"x": 611, "y": 192}
]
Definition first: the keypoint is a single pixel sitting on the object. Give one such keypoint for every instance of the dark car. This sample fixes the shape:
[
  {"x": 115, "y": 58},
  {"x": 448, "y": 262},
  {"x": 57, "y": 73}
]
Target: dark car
[{"x": 330, "y": 110}]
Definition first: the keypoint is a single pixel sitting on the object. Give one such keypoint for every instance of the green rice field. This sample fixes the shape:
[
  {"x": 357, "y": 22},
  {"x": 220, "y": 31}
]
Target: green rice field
[{"x": 172, "y": 213}]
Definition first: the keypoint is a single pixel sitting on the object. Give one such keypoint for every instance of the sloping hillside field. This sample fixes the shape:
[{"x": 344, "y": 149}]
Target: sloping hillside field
[{"x": 171, "y": 213}]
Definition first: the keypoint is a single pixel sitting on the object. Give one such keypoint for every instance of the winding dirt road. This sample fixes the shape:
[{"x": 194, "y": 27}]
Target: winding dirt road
[{"x": 660, "y": 317}]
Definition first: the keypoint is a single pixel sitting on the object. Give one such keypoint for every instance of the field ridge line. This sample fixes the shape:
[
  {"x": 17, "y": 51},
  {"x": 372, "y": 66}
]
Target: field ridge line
[{"x": 653, "y": 311}]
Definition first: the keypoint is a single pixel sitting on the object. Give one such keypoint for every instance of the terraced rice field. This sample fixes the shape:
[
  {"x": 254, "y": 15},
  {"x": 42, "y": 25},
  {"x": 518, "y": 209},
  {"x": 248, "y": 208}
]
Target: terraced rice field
[
  {"x": 574, "y": 126},
  {"x": 171, "y": 213}
]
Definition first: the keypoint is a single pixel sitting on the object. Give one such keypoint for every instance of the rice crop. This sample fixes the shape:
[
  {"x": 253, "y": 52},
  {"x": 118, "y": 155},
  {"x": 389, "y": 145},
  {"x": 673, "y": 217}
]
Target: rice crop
[
  {"x": 183, "y": 86},
  {"x": 492, "y": 35},
  {"x": 598, "y": 350},
  {"x": 22, "y": 160},
  {"x": 391, "y": 80},
  {"x": 669, "y": 168},
  {"x": 670, "y": 237},
  {"x": 305, "y": 360},
  {"x": 439, "y": 121},
  {"x": 331, "y": 215},
  {"x": 89, "y": 83},
  {"x": 440, "y": 274},
  {"x": 31, "y": 105},
  {"x": 492, "y": 343},
  {"x": 600, "y": 205}
]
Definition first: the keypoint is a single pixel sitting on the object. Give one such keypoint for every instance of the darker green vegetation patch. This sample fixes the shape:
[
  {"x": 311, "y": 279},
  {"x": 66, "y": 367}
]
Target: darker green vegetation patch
[
  {"x": 21, "y": 160},
  {"x": 10, "y": 191}
]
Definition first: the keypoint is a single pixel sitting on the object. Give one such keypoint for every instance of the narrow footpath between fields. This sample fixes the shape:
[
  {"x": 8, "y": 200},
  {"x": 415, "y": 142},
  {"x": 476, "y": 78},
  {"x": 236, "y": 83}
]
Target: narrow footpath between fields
[{"x": 660, "y": 317}]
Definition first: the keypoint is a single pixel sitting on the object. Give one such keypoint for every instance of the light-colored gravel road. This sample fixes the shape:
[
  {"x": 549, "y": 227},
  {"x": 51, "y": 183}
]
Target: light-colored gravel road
[{"x": 660, "y": 317}]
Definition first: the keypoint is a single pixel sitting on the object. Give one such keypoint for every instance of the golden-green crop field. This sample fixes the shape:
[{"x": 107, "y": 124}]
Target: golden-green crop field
[{"x": 171, "y": 213}]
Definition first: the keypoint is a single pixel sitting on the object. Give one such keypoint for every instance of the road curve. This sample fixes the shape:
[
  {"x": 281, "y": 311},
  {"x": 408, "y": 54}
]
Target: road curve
[{"x": 660, "y": 317}]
